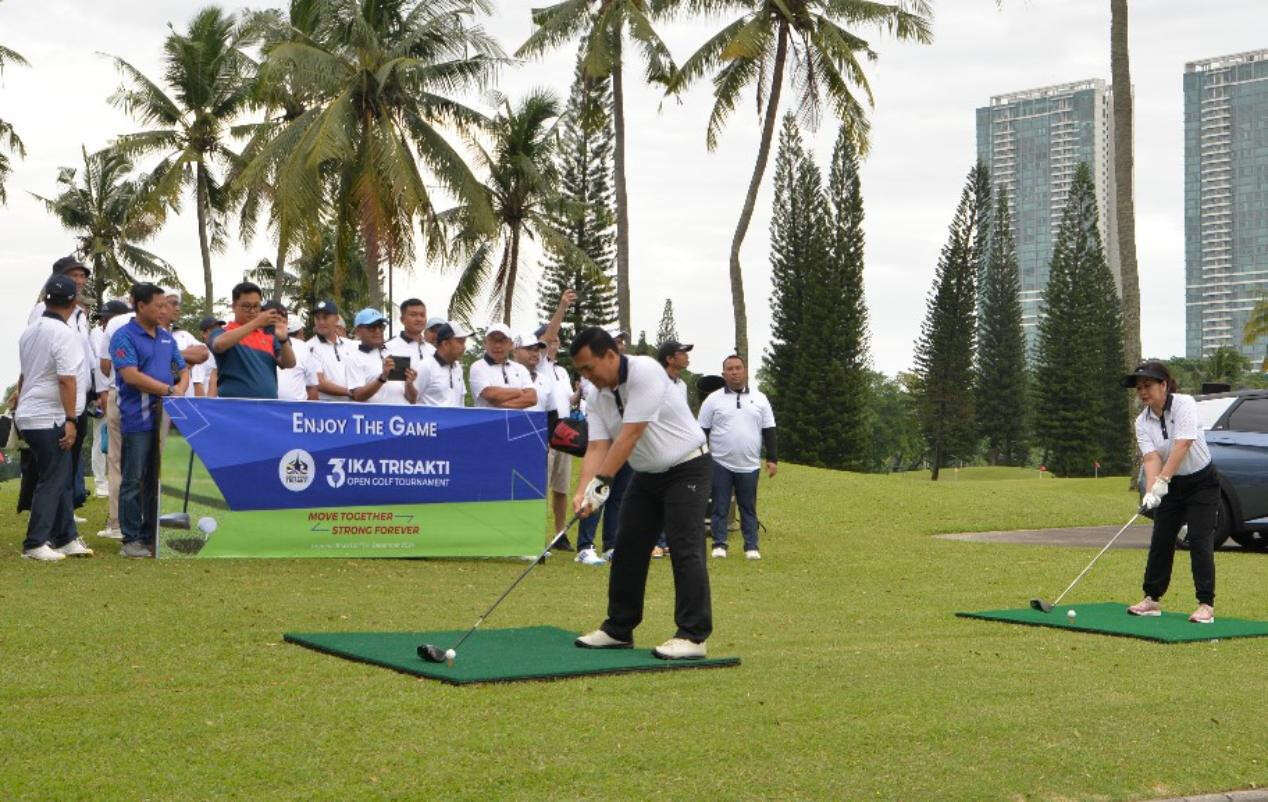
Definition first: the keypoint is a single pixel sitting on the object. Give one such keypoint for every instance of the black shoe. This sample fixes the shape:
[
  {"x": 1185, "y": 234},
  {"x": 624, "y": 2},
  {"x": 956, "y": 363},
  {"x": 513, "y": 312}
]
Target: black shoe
[{"x": 563, "y": 544}]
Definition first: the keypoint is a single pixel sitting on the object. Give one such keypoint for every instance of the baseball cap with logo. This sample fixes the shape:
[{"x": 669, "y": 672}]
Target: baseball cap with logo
[
  {"x": 526, "y": 340},
  {"x": 111, "y": 308},
  {"x": 450, "y": 331},
  {"x": 1149, "y": 369},
  {"x": 368, "y": 317},
  {"x": 499, "y": 328},
  {"x": 326, "y": 308},
  {"x": 60, "y": 289},
  {"x": 669, "y": 348}
]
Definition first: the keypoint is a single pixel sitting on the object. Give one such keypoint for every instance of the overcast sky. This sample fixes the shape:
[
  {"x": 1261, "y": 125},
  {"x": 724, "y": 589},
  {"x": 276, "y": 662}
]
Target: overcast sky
[{"x": 684, "y": 201}]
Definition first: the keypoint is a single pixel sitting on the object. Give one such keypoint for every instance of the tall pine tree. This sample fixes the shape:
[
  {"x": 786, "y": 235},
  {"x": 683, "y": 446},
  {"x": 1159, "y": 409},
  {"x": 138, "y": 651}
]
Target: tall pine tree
[
  {"x": 1082, "y": 411},
  {"x": 944, "y": 352},
  {"x": 1002, "y": 389},
  {"x": 585, "y": 183},
  {"x": 668, "y": 329}
]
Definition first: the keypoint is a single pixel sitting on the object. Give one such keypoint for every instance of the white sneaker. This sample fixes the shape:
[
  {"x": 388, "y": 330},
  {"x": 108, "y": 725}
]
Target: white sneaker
[
  {"x": 588, "y": 557},
  {"x": 102, "y": 492},
  {"x": 110, "y": 534},
  {"x": 719, "y": 551},
  {"x": 607, "y": 555},
  {"x": 601, "y": 640},
  {"x": 75, "y": 548},
  {"x": 752, "y": 554},
  {"x": 79, "y": 519},
  {"x": 680, "y": 649},
  {"x": 44, "y": 553},
  {"x": 135, "y": 549}
]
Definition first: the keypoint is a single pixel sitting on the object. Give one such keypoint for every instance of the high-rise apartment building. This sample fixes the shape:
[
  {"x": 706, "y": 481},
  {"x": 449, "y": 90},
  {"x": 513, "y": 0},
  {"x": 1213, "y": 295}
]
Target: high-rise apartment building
[
  {"x": 1225, "y": 199},
  {"x": 1032, "y": 142}
]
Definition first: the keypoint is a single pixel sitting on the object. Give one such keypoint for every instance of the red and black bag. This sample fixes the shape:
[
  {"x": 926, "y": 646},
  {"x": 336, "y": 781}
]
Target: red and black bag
[{"x": 570, "y": 435}]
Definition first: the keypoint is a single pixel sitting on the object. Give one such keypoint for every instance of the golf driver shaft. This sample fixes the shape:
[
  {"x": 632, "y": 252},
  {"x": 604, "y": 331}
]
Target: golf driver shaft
[
  {"x": 518, "y": 579},
  {"x": 1098, "y": 556}
]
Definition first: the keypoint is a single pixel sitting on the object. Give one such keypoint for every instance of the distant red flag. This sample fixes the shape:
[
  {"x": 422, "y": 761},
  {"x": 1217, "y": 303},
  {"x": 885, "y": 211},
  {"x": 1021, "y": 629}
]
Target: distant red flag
[
  {"x": 1096, "y": 464},
  {"x": 1042, "y": 468}
]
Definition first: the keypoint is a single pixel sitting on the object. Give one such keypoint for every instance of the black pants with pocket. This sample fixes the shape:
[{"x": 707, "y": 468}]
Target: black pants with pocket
[
  {"x": 1194, "y": 500},
  {"x": 673, "y": 502}
]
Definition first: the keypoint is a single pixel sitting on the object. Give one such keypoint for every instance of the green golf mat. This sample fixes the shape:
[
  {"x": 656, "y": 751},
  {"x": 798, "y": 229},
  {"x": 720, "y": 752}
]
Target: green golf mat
[
  {"x": 492, "y": 655},
  {"x": 1110, "y": 618}
]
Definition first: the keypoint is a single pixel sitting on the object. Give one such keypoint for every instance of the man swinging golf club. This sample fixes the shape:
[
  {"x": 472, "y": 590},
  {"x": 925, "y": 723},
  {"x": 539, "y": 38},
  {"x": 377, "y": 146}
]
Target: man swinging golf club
[
  {"x": 635, "y": 414},
  {"x": 1183, "y": 488}
]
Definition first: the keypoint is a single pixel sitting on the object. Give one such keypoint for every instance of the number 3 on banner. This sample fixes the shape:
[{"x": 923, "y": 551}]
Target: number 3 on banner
[{"x": 336, "y": 477}]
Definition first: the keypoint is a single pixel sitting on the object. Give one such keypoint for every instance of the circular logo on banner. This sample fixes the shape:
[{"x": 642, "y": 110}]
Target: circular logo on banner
[{"x": 296, "y": 470}]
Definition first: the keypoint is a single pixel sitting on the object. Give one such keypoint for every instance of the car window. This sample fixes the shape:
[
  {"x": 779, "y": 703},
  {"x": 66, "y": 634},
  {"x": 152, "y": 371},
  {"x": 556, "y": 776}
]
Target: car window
[
  {"x": 1250, "y": 416},
  {"x": 1209, "y": 410}
]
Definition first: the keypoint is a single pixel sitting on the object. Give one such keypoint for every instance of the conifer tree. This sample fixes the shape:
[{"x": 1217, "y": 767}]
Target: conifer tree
[
  {"x": 1002, "y": 396},
  {"x": 584, "y": 165},
  {"x": 944, "y": 352},
  {"x": 668, "y": 329}
]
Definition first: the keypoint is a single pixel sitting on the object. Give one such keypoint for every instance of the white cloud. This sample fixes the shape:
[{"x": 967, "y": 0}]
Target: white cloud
[{"x": 685, "y": 201}]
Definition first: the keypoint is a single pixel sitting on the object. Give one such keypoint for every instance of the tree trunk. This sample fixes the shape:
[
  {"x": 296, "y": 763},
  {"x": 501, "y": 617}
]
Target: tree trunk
[
  {"x": 373, "y": 285},
  {"x": 622, "y": 201},
  {"x": 511, "y": 268},
  {"x": 1124, "y": 196},
  {"x": 202, "y": 201},
  {"x": 937, "y": 462},
  {"x": 279, "y": 269},
  {"x": 746, "y": 214}
]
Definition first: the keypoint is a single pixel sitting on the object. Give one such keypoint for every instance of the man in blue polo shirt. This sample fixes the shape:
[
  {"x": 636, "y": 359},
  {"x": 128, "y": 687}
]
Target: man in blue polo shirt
[
  {"x": 249, "y": 350},
  {"x": 150, "y": 367}
]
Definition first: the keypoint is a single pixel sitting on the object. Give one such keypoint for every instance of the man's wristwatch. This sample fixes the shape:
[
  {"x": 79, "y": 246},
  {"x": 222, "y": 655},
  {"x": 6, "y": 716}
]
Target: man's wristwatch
[
  {"x": 607, "y": 480},
  {"x": 382, "y": 379},
  {"x": 169, "y": 390}
]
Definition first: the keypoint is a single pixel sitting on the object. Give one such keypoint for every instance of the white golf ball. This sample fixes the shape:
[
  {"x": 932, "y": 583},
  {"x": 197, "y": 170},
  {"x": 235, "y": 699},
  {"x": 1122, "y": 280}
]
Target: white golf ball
[
  {"x": 450, "y": 654},
  {"x": 1070, "y": 614},
  {"x": 207, "y": 524}
]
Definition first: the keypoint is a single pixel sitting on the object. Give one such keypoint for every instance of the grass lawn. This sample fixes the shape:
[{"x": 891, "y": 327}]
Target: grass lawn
[{"x": 170, "y": 681}]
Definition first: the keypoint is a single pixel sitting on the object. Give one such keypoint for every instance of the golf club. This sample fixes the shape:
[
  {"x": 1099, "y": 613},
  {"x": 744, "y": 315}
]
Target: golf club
[
  {"x": 1044, "y": 607},
  {"x": 180, "y": 520},
  {"x": 434, "y": 654}
]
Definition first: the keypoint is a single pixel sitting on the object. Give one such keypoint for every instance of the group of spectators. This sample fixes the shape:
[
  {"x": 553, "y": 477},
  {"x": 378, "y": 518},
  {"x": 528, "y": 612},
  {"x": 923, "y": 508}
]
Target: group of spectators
[{"x": 114, "y": 366}]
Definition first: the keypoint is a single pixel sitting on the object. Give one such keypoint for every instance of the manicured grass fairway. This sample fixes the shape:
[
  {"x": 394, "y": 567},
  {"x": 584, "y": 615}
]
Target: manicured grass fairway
[{"x": 170, "y": 681}]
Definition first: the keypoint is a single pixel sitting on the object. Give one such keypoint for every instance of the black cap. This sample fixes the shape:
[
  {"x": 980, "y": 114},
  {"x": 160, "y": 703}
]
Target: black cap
[
  {"x": 669, "y": 348},
  {"x": 446, "y": 331},
  {"x": 209, "y": 323},
  {"x": 60, "y": 290},
  {"x": 111, "y": 308},
  {"x": 326, "y": 308},
  {"x": 68, "y": 263},
  {"x": 1149, "y": 369},
  {"x": 709, "y": 384},
  {"x": 267, "y": 305}
]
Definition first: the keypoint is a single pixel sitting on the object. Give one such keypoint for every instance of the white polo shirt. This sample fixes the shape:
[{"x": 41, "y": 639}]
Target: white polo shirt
[
  {"x": 112, "y": 326},
  {"x": 292, "y": 383},
  {"x": 735, "y": 422},
  {"x": 544, "y": 384},
  {"x": 201, "y": 374},
  {"x": 79, "y": 323},
  {"x": 331, "y": 359},
  {"x": 417, "y": 350},
  {"x": 487, "y": 373},
  {"x": 671, "y": 435},
  {"x": 99, "y": 347},
  {"x": 1180, "y": 414},
  {"x": 562, "y": 388},
  {"x": 365, "y": 367},
  {"x": 184, "y": 340},
  {"x": 47, "y": 349},
  {"x": 440, "y": 385},
  {"x": 680, "y": 386}
]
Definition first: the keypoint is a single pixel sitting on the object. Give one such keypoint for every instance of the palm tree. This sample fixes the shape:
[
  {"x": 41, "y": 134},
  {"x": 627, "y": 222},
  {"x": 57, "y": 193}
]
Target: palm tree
[
  {"x": 755, "y": 49},
  {"x": 1124, "y": 172},
  {"x": 110, "y": 215},
  {"x": 601, "y": 25},
  {"x": 376, "y": 73},
  {"x": 522, "y": 192},
  {"x": 210, "y": 81},
  {"x": 6, "y": 130}
]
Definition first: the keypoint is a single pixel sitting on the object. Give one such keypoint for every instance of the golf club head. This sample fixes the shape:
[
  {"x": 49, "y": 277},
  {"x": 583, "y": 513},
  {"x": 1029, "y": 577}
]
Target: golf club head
[
  {"x": 1041, "y": 605},
  {"x": 431, "y": 653},
  {"x": 174, "y": 520}
]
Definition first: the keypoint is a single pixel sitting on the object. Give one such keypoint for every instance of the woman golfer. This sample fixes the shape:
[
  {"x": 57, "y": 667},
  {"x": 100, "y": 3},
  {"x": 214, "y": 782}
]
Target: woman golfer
[
  {"x": 1183, "y": 488},
  {"x": 636, "y": 415}
]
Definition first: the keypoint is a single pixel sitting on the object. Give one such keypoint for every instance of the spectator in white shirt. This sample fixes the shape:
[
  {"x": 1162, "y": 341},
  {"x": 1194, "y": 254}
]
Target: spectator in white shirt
[
  {"x": 292, "y": 382},
  {"x": 433, "y": 326},
  {"x": 330, "y": 354},
  {"x": 440, "y": 382},
  {"x": 193, "y": 350},
  {"x": 739, "y": 423},
  {"x": 412, "y": 342},
  {"x": 202, "y": 377},
  {"x": 114, "y": 427},
  {"x": 528, "y": 353},
  {"x": 498, "y": 381},
  {"x": 370, "y": 367},
  {"x": 100, "y": 348},
  {"x": 674, "y": 357},
  {"x": 50, "y": 400}
]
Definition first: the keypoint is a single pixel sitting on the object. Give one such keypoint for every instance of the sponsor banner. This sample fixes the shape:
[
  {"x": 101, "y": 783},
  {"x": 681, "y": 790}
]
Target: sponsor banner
[
  {"x": 267, "y": 455},
  {"x": 393, "y": 482}
]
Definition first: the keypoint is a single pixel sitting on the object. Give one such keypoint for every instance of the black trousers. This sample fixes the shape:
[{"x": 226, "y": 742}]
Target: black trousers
[
  {"x": 673, "y": 502},
  {"x": 1195, "y": 500},
  {"x": 52, "y": 520}
]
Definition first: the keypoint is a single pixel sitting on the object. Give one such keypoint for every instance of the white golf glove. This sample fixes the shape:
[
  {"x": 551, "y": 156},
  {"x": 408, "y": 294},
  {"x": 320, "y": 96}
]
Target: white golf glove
[
  {"x": 1154, "y": 497},
  {"x": 597, "y": 493}
]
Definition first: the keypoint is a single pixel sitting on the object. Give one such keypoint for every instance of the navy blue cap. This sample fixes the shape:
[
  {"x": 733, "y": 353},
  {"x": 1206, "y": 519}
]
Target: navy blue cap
[
  {"x": 111, "y": 308},
  {"x": 60, "y": 289},
  {"x": 68, "y": 263},
  {"x": 326, "y": 308}
]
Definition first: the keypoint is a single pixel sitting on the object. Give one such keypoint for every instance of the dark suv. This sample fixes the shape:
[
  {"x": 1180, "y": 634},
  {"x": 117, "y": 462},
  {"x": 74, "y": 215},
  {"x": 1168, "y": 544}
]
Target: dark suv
[{"x": 1236, "y": 427}]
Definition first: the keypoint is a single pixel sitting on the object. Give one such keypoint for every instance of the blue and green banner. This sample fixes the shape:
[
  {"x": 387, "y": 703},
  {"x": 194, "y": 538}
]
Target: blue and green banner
[{"x": 302, "y": 479}]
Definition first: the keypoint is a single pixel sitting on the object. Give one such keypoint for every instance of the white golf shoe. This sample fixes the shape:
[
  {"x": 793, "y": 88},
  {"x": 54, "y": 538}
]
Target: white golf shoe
[
  {"x": 680, "y": 649},
  {"x": 110, "y": 533},
  {"x": 601, "y": 640},
  {"x": 75, "y": 548},
  {"x": 43, "y": 553},
  {"x": 752, "y": 554},
  {"x": 719, "y": 551},
  {"x": 589, "y": 557}
]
